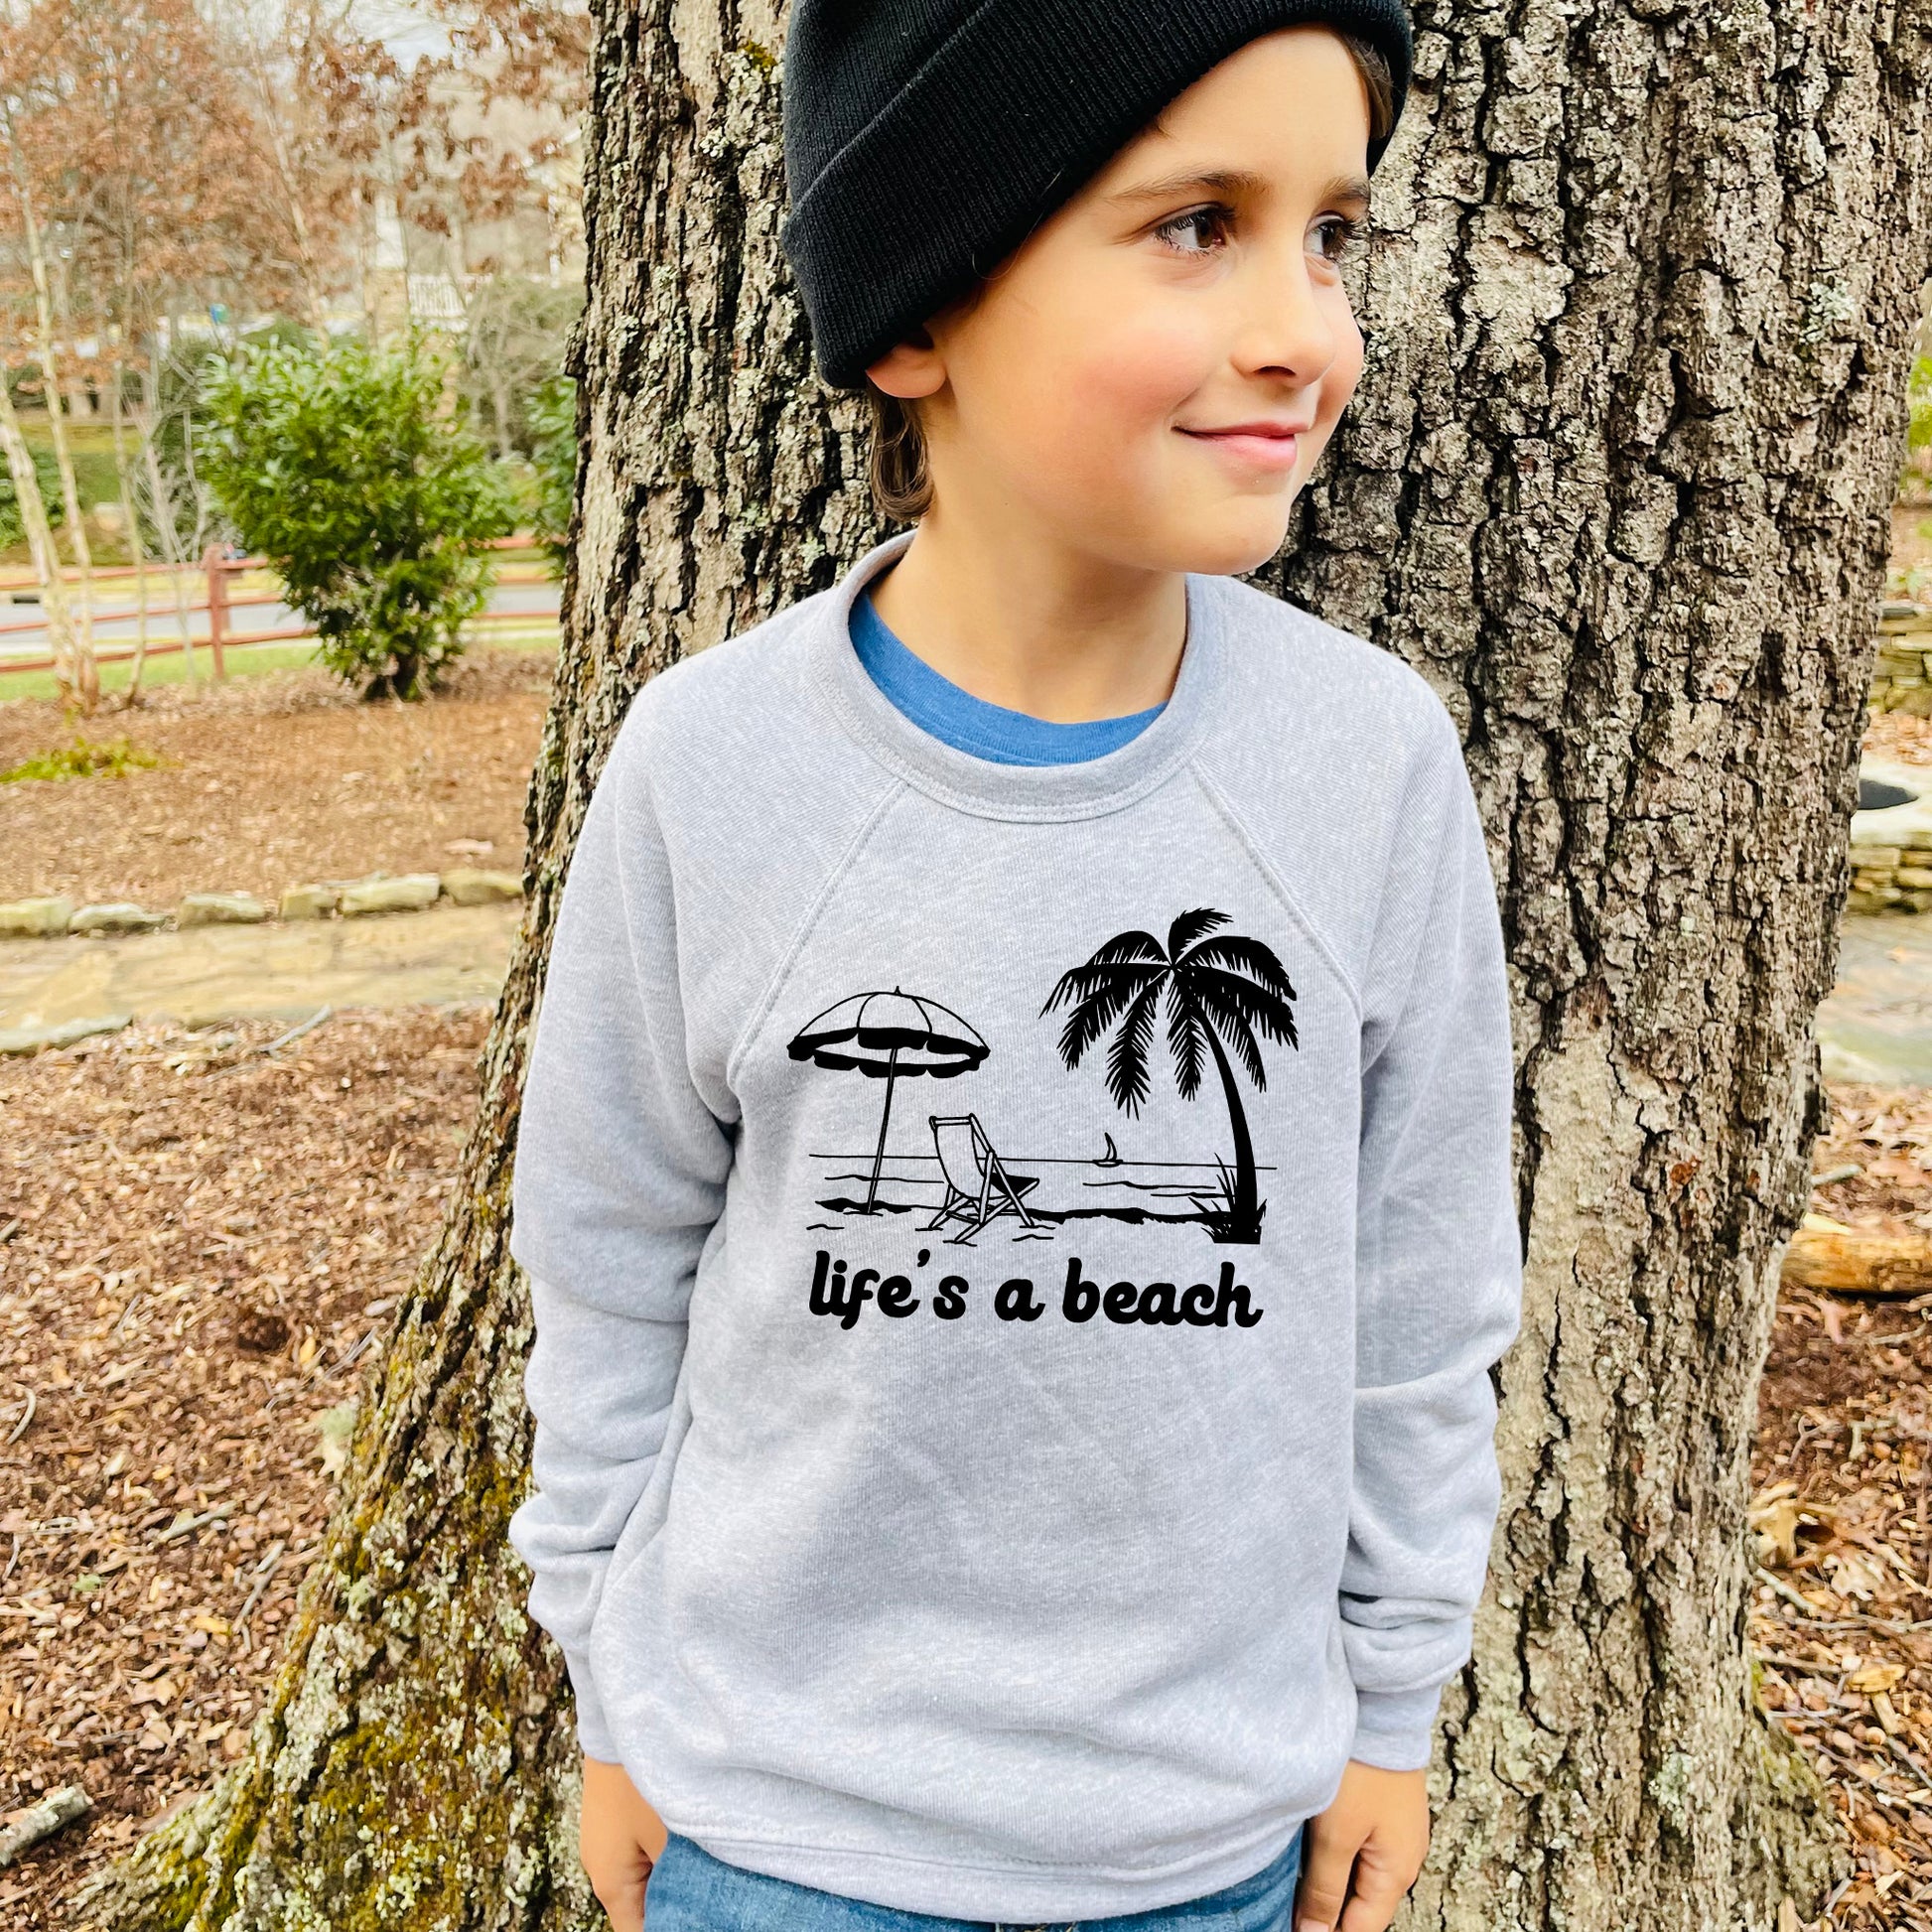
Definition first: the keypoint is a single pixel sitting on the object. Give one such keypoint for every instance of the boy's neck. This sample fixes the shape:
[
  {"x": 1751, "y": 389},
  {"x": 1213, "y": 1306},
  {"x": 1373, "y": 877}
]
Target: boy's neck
[{"x": 1022, "y": 622}]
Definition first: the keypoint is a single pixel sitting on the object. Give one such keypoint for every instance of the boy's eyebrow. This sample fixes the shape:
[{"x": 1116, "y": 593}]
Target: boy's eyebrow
[{"x": 1236, "y": 180}]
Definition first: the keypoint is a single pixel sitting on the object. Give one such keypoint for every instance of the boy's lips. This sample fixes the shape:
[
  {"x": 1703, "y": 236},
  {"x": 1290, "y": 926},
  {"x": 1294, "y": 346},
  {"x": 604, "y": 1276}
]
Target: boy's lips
[{"x": 1264, "y": 443}]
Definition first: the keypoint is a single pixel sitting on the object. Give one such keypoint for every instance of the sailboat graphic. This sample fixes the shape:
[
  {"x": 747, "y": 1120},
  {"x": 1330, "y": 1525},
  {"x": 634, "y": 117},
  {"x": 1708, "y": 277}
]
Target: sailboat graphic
[{"x": 1111, "y": 1158}]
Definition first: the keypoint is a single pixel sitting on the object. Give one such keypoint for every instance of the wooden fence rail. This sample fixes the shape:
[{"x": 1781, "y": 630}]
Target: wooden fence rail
[{"x": 216, "y": 602}]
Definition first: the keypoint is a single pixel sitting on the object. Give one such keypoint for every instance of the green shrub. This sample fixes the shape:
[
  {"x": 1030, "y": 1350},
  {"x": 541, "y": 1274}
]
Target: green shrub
[
  {"x": 12, "y": 529},
  {"x": 344, "y": 466},
  {"x": 1915, "y": 470},
  {"x": 80, "y": 759}
]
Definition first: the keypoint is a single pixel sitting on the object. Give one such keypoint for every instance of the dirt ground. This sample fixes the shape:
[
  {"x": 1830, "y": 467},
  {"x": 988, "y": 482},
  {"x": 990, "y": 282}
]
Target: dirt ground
[
  {"x": 276, "y": 780},
  {"x": 1911, "y": 547},
  {"x": 203, "y": 1246}
]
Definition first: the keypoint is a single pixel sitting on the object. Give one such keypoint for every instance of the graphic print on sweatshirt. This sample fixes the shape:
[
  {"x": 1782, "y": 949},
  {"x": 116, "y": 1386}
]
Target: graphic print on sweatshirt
[{"x": 1219, "y": 999}]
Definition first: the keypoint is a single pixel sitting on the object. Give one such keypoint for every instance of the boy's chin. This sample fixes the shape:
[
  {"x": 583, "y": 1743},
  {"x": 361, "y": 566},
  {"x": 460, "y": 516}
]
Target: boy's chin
[{"x": 1243, "y": 537}]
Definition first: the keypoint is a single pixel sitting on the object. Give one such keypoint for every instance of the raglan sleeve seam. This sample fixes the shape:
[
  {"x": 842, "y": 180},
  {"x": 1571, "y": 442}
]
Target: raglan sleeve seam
[{"x": 794, "y": 947}]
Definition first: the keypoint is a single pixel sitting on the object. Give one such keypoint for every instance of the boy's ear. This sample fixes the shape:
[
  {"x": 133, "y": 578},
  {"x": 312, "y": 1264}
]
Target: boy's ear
[{"x": 910, "y": 368}]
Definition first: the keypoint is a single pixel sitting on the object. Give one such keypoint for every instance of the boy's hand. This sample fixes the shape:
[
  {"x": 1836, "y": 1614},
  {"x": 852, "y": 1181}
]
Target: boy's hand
[
  {"x": 1378, "y": 1827},
  {"x": 618, "y": 1838}
]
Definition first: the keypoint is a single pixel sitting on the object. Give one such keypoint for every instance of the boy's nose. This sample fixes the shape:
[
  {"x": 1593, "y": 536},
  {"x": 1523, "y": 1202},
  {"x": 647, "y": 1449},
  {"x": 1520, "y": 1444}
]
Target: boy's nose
[{"x": 1284, "y": 327}]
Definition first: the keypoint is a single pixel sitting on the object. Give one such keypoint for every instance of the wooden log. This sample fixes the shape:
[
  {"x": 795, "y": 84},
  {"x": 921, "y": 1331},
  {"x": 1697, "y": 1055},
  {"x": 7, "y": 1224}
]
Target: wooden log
[{"x": 1828, "y": 1255}]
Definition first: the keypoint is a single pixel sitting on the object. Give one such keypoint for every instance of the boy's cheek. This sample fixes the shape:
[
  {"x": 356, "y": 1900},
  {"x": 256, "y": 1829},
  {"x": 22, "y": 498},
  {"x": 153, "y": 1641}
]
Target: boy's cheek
[
  {"x": 1117, "y": 398},
  {"x": 1340, "y": 381},
  {"x": 1145, "y": 372}
]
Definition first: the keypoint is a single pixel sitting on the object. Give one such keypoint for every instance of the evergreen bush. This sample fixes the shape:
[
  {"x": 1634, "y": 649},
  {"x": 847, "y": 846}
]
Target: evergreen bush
[{"x": 353, "y": 471}]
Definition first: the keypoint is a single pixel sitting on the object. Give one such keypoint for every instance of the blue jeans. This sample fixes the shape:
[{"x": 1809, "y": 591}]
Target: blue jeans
[{"x": 691, "y": 1891}]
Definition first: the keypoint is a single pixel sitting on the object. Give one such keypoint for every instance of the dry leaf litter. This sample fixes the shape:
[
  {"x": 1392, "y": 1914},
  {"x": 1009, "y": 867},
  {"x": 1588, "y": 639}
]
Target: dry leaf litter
[
  {"x": 1841, "y": 1522},
  {"x": 203, "y": 1246}
]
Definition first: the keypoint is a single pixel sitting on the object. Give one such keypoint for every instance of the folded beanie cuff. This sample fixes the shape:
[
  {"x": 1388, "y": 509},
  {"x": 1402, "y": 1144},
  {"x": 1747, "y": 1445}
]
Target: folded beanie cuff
[{"x": 1007, "y": 118}]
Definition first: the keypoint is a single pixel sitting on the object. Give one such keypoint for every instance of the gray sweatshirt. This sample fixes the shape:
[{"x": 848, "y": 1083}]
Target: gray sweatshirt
[{"x": 1017, "y": 1256}]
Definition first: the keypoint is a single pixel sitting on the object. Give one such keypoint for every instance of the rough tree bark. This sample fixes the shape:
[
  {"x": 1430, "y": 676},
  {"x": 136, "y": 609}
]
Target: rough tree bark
[
  {"x": 1619, "y": 484},
  {"x": 1617, "y": 481}
]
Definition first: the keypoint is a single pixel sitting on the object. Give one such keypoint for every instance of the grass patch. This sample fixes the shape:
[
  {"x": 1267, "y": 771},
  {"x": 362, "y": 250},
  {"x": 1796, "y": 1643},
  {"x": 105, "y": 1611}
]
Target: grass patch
[
  {"x": 243, "y": 661},
  {"x": 248, "y": 660},
  {"x": 111, "y": 758}
]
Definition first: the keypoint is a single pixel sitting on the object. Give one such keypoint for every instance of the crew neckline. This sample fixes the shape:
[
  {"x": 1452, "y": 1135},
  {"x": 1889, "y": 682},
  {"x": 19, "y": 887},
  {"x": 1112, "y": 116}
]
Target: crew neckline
[
  {"x": 956, "y": 717},
  {"x": 1086, "y": 788}
]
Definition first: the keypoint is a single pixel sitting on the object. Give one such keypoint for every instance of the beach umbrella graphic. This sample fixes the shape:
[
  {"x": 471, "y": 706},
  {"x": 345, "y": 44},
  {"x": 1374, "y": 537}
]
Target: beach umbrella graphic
[{"x": 888, "y": 1037}]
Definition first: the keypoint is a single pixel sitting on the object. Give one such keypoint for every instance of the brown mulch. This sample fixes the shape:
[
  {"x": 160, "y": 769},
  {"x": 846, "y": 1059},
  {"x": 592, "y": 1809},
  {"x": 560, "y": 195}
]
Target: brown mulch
[
  {"x": 1842, "y": 1620},
  {"x": 202, "y": 1248},
  {"x": 276, "y": 780}
]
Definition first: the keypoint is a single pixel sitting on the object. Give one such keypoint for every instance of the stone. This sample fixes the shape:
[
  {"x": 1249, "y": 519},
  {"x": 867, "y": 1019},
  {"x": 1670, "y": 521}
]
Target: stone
[
  {"x": 34, "y": 918},
  {"x": 311, "y": 901},
  {"x": 221, "y": 909},
  {"x": 117, "y": 917},
  {"x": 1895, "y": 609},
  {"x": 481, "y": 887},
  {"x": 1876, "y": 858},
  {"x": 1915, "y": 877},
  {"x": 1915, "y": 855},
  {"x": 1857, "y": 902},
  {"x": 411, "y": 893},
  {"x": 34, "y": 1040}
]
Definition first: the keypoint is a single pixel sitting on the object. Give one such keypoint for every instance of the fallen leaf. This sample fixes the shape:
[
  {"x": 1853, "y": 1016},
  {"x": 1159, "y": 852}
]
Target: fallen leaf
[
  {"x": 1874, "y": 1677},
  {"x": 1777, "y": 1531}
]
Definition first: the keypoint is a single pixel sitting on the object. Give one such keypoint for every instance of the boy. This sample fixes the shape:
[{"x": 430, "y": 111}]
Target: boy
[{"x": 1014, "y": 1172}]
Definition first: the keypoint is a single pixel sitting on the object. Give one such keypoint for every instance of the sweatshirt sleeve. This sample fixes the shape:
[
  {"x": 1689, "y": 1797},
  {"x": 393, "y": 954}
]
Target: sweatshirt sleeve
[
  {"x": 1439, "y": 1269},
  {"x": 620, "y": 1177}
]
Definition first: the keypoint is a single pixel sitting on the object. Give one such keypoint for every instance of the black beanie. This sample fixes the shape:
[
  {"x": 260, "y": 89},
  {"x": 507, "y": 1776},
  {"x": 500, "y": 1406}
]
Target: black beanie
[{"x": 926, "y": 139}]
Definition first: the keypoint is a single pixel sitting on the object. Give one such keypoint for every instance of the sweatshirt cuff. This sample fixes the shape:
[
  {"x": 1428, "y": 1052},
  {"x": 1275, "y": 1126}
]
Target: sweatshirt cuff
[
  {"x": 1395, "y": 1730},
  {"x": 591, "y": 1731}
]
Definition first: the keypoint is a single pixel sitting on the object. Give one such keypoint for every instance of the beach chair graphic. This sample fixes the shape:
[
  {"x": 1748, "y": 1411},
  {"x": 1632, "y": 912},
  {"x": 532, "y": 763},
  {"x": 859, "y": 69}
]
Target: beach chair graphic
[{"x": 977, "y": 1187}]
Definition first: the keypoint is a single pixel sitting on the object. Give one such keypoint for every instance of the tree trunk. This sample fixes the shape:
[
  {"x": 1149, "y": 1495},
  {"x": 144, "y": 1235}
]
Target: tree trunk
[
  {"x": 137, "y": 548},
  {"x": 161, "y": 500},
  {"x": 1617, "y": 481},
  {"x": 1619, "y": 484},
  {"x": 67, "y": 666},
  {"x": 1241, "y": 1220},
  {"x": 87, "y": 680}
]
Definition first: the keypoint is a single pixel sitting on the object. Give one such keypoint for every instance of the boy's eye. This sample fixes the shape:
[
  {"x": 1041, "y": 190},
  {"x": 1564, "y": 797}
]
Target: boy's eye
[
  {"x": 1340, "y": 230},
  {"x": 1198, "y": 231}
]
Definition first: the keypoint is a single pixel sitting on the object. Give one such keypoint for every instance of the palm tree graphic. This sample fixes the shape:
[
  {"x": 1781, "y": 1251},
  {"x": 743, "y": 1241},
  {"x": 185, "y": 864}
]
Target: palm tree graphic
[{"x": 1219, "y": 989}]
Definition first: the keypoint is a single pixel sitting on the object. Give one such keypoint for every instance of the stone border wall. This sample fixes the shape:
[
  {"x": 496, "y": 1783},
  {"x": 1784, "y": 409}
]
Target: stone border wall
[
  {"x": 1901, "y": 675},
  {"x": 1892, "y": 845},
  {"x": 59, "y": 918}
]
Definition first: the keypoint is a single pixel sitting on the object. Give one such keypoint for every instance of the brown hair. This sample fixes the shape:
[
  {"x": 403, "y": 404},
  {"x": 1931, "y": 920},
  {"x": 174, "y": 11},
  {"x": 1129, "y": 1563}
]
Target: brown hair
[{"x": 901, "y": 479}]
